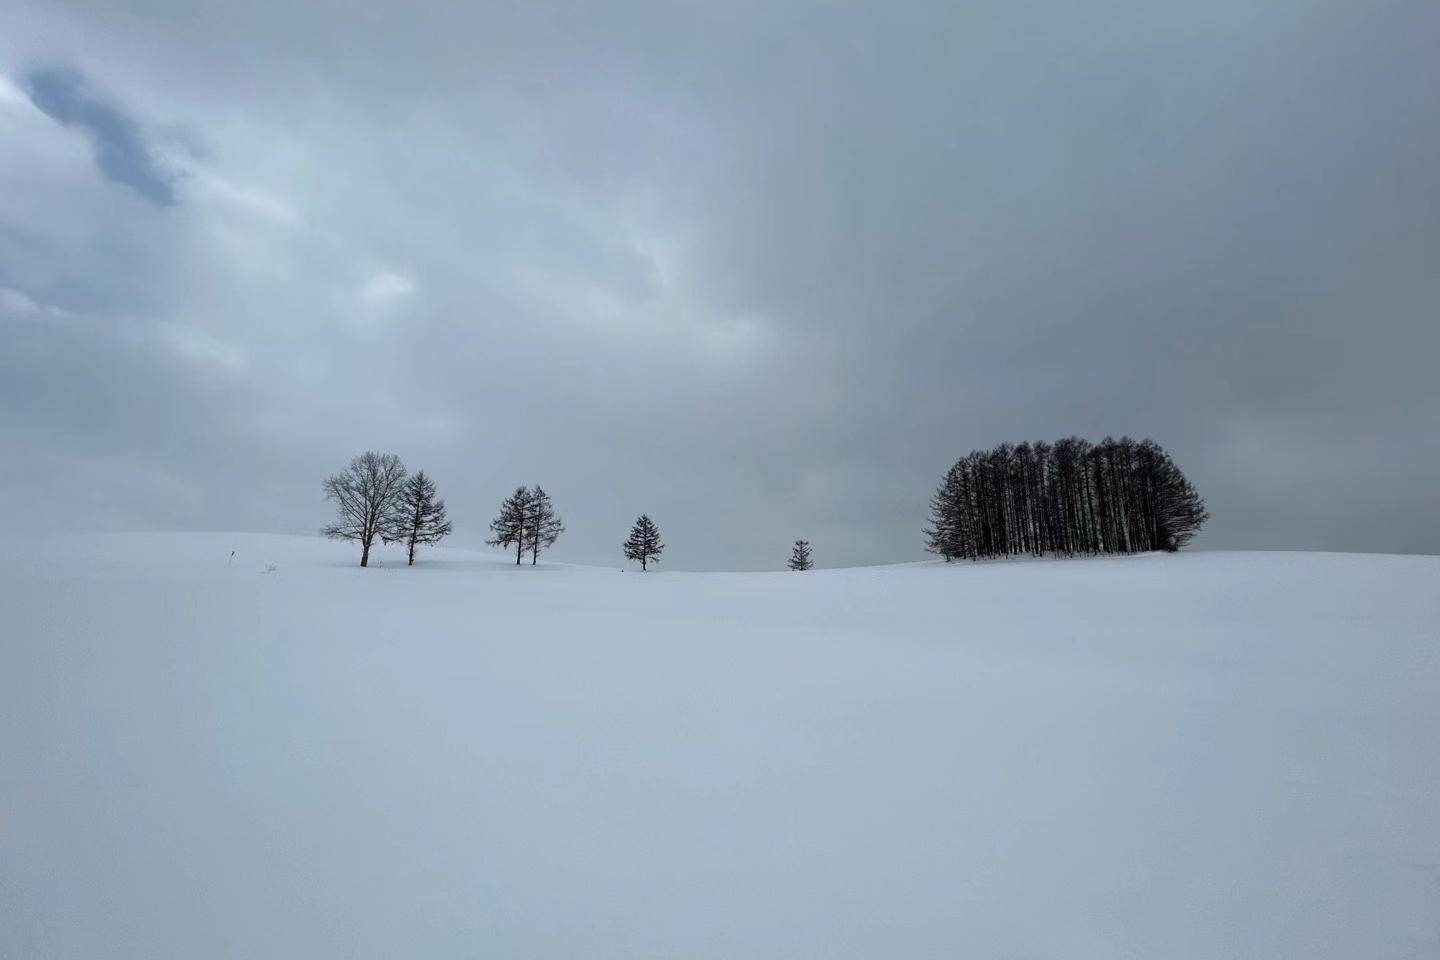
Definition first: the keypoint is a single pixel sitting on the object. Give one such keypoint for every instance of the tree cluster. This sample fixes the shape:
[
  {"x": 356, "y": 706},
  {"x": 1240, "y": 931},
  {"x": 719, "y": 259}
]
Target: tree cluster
[
  {"x": 376, "y": 498},
  {"x": 527, "y": 521},
  {"x": 1070, "y": 497}
]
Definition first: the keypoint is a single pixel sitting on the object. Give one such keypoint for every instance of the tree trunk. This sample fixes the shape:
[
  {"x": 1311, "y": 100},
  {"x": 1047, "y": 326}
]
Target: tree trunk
[
  {"x": 412, "y": 553},
  {"x": 519, "y": 549},
  {"x": 364, "y": 553}
]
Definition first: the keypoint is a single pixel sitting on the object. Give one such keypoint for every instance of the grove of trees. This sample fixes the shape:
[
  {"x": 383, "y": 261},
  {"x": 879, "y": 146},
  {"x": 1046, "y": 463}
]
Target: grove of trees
[
  {"x": 1067, "y": 498},
  {"x": 643, "y": 543},
  {"x": 376, "y": 499}
]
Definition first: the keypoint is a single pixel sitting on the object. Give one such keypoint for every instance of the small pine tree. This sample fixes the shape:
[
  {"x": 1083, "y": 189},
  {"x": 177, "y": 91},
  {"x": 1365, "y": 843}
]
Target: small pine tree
[
  {"x": 800, "y": 556},
  {"x": 644, "y": 542},
  {"x": 543, "y": 526},
  {"x": 511, "y": 526},
  {"x": 419, "y": 516}
]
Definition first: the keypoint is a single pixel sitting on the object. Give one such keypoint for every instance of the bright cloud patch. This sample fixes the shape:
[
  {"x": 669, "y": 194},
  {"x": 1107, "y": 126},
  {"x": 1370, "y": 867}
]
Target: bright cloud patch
[
  {"x": 15, "y": 303},
  {"x": 201, "y": 347},
  {"x": 387, "y": 287}
]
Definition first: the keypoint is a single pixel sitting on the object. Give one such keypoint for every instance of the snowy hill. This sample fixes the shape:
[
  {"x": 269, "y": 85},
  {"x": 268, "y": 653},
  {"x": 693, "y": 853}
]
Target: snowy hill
[{"x": 1201, "y": 755}]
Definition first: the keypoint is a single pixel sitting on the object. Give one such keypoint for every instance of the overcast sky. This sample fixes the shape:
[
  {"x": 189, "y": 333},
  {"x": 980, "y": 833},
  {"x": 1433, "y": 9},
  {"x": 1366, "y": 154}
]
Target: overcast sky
[{"x": 762, "y": 270}]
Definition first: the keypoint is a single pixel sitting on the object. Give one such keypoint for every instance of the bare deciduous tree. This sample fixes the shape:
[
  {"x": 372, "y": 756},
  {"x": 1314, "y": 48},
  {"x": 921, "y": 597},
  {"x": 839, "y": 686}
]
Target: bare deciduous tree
[{"x": 366, "y": 494}]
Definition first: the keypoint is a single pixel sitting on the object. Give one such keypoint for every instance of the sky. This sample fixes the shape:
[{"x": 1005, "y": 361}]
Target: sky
[{"x": 760, "y": 270}]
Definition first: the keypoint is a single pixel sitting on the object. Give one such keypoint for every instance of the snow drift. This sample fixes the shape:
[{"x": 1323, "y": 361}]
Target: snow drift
[{"x": 282, "y": 755}]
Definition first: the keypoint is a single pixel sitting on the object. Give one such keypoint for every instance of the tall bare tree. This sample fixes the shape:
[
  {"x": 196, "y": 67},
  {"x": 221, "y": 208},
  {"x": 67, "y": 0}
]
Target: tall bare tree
[
  {"x": 543, "y": 526},
  {"x": 366, "y": 495},
  {"x": 419, "y": 516},
  {"x": 644, "y": 542}
]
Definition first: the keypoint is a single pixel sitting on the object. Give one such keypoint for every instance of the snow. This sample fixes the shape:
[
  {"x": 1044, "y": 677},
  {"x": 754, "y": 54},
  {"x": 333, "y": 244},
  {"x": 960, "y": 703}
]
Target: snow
[{"x": 1203, "y": 755}]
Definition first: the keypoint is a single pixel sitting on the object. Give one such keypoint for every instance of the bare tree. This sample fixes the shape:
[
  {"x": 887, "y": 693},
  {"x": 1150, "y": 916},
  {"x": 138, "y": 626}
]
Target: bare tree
[
  {"x": 512, "y": 526},
  {"x": 419, "y": 516},
  {"x": 800, "y": 556},
  {"x": 543, "y": 526},
  {"x": 366, "y": 494},
  {"x": 644, "y": 542}
]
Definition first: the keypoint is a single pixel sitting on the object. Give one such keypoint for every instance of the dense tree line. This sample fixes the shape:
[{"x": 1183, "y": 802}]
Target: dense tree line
[{"x": 1067, "y": 498}]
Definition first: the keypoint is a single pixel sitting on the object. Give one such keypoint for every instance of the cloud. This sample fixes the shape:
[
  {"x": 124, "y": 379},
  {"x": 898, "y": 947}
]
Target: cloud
[
  {"x": 11, "y": 96},
  {"x": 121, "y": 153},
  {"x": 781, "y": 260},
  {"x": 204, "y": 348},
  {"x": 386, "y": 287},
  {"x": 16, "y": 303},
  {"x": 13, "y": 303}
]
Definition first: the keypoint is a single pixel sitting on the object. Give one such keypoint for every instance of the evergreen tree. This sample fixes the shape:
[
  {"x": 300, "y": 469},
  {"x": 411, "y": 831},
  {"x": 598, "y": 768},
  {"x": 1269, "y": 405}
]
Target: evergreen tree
[
  {"x": 543, "y": 526},
  {"x": 511, "y": 527},
  {"x": 366, "y": 495},
  {"x": 800, "y": 556},
  {"x": 419, "y": 516},
  {"x": 644, "y": 542},
  {"x": 943, "y": 535}
]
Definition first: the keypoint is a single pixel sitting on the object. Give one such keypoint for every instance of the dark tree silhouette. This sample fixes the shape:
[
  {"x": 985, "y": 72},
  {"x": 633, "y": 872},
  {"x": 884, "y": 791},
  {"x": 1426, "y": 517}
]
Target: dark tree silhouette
[
  {"x": 512, "y": 526},
  {"x": 800, "y": 556},
  {"x": 366, "y": 495},
  {"x": 644, "y": 542},
  {"x": 1071, "y": 497},
  {"x": 543, "y": 526},
  {"x": 419, "y": 517}
]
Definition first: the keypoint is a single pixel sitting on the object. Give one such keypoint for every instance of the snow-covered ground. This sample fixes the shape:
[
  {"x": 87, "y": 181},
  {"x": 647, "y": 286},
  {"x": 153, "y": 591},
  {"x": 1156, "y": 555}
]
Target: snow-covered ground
[{"x": 1203, "y": 755}]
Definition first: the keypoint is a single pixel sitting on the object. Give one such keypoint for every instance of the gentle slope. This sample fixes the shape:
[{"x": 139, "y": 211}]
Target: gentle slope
[{"x": 1200, "y": 755}]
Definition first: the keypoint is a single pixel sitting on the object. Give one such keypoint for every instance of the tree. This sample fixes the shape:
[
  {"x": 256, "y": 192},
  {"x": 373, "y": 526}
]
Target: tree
[
  {"x": 644, "y": 543},
  {"x": 512, "y": 526},
  {"x": 800, "y": 556},
  {"x": 1179, "y": 509},
  {"x": 420, "y": 516},
  {"x": 543, "y": 526},
  {"x": 366, "y": 495},
  {"x": 943, "y": 535}
]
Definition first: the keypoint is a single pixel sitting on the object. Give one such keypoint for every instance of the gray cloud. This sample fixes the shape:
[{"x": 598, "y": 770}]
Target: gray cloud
[
  {"x": 121, "y": 153},
  {"x": 760, "y": 271}
]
